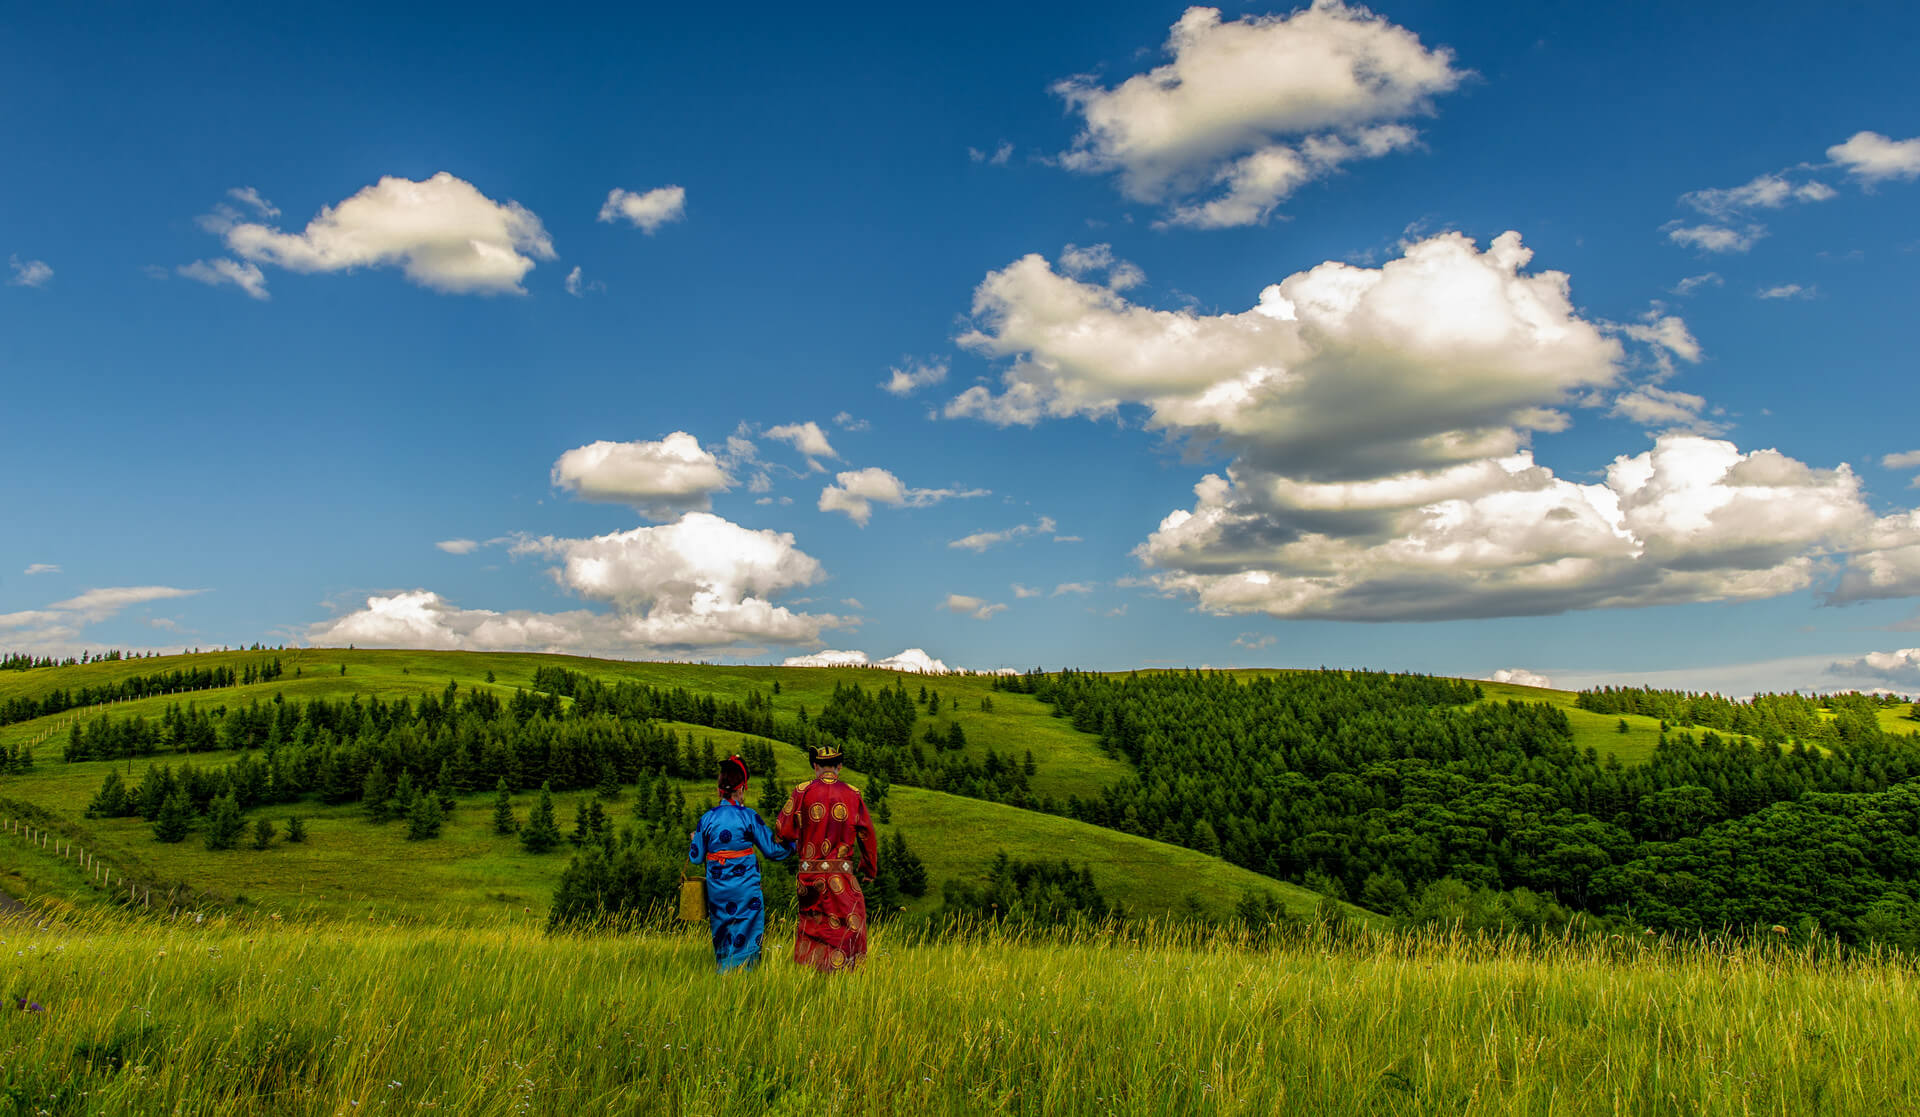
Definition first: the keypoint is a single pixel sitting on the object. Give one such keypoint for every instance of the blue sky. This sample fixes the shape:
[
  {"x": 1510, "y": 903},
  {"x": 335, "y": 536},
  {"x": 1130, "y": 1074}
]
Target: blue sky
[{"x": 1456, "y": 338}]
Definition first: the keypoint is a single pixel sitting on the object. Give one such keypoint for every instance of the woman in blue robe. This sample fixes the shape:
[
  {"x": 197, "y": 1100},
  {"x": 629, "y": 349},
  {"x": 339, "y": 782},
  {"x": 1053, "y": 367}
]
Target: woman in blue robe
[{"x": 725, "y": 839}]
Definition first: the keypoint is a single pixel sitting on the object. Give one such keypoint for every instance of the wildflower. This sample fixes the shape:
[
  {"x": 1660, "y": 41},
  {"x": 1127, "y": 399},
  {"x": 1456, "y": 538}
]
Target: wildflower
[{"x": 1778, "y": 930}]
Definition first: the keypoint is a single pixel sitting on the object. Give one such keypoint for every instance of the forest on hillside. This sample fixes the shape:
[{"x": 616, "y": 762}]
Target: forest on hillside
[{"x": 1409, "y": 795}]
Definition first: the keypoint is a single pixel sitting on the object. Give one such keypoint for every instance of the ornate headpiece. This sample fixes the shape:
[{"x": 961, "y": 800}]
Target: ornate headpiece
[{"x": 826, "y": 754}]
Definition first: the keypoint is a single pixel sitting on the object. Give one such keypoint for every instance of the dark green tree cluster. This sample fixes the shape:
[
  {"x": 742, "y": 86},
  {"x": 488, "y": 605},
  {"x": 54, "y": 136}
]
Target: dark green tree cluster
[
  {"x": 15, "y": 759},
  {"x": 1036, "y": 893},
  {"x": 1773, "y": 718},
  {"x": 1381, "y": 788}
]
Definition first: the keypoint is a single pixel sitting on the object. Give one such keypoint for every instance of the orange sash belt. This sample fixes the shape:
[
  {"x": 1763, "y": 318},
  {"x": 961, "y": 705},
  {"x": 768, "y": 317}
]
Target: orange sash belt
[{"x": 728, "y": 854}]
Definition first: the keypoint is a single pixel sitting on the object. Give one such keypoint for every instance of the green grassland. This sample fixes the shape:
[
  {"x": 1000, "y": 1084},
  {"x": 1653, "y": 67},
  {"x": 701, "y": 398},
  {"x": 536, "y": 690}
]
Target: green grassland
[
  {"x": 1600, "y": 732},
  {"x": 351, "y": 868},
  {"x": 263, "y": 1017}
]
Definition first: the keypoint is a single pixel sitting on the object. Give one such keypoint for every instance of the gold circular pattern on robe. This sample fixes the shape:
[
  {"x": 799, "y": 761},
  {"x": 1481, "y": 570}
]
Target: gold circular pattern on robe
[
  {"x": 818, "y": 812},
  {"x": 840, "y": 812},
  {"x": 833, "y": 921},
  {"x": 807, "y": 851},
  {"x": 837, "y": 960},
  {"x": 853, "y": 921},
  {"x": 837, "y": 882},
  {"x": 843, "y": 850}
]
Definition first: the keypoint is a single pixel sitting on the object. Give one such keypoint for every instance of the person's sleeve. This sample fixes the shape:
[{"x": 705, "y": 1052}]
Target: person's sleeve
[
  {"x": 869, "y": 843},
  {"x": 787, "y": 827},
  {"x": 769, "y": 845},
  {"x": 697, "y": 846}
]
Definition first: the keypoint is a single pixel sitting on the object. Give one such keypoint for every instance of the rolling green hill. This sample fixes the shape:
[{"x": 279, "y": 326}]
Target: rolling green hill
[{"x": 350, "y": 867}]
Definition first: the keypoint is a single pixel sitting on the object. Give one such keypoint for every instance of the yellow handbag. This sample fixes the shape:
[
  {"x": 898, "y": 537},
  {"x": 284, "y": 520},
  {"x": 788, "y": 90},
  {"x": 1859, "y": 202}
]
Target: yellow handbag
[{"x": 693, "y": 899}]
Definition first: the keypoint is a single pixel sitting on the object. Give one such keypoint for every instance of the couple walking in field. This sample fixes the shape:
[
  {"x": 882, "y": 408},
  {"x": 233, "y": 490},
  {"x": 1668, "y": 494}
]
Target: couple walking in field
[{"x": 826, "y": 823}]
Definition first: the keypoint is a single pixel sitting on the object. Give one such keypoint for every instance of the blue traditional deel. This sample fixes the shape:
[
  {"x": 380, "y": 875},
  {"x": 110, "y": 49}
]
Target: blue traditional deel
[{"x": 725, "y": 839}]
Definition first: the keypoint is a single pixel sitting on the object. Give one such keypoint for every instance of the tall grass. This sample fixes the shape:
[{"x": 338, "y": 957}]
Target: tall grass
[{"x": 263, "y": 1016}]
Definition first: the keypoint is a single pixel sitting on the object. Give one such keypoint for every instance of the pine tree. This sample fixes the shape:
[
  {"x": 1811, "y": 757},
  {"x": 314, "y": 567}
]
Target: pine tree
[
  {"x": 374, "y": 793},
  {"x": 503, "y": 820},
  {"x": 263, "y": 833},
  {"x": 489, "y": 674},
  {"x": 906, "y": 866},
  {"x": 173, "y": 818},
  {"x": 443, "y": 787},
  {"x": 404, "y": 793},
  {"x": 609, "y": 786},
  {"x": 224, "y": 823},
  {"x": 582, "y": 829},
  {"x": 112, "y": 800},
  {"x": 424, "y": 818},
  {"x": 296, "y": 829},
  {"x": 541, "y": 833}
]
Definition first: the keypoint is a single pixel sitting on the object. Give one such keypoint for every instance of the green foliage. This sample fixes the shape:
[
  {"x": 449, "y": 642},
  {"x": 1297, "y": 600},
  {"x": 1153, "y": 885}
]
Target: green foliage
[
  {"x": 541, "y": 832},
  {"x": 603, "y": 886},
  {"x": 224, "y": 823},
  {"x": 1036, "y": 893},
  {"x": 296, "y": 829},
  {"x": 504, "y": 821},
  {"x": 424, "y": 818},
  {"x": 173, "y": 818},
  {"x": 113, "y": 800},
  {"x": 263, "y": 833}
]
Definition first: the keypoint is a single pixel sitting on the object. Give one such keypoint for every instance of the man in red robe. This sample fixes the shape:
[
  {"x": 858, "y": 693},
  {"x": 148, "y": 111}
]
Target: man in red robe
[{"x": 827, "y": 822}]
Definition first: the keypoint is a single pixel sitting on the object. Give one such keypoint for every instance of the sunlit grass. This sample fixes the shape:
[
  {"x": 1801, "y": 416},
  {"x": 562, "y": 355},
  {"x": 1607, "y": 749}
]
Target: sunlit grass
[{"x": 284, "y": 1016}]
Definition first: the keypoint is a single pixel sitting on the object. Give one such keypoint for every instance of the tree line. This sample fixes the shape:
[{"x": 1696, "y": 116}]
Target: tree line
[
  {"x": 177, "y": 681},
  {"x": 1380, "y": 787}
]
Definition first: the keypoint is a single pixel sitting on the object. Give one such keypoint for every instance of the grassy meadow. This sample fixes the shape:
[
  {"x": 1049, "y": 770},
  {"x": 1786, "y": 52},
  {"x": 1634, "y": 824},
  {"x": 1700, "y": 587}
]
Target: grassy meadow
[
  {"x": 351, "y": 868},
  {"x": 232, "y": 1016}
]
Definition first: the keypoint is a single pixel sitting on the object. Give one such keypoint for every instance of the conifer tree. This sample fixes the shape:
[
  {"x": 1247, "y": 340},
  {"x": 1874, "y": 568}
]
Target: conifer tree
[
  {"x": 503, "y": 820},
  {"x": 112, "y": 800},
  {"x": 609, "y": 785},
  {"x": 296, "y": 829},
  {"x": 173, "y": 818},
  {"x": 541, "y": 833},
  {"x": 443, "y": 788},
  {"x": 374, "y": 793},
  {"x": 424, "y": 818},
  {"x": 404, "y": 793},
  {"x": 582, "y": 829},
  {"x": 224, "y": 823},
  {"x": 263, "y": 833}
]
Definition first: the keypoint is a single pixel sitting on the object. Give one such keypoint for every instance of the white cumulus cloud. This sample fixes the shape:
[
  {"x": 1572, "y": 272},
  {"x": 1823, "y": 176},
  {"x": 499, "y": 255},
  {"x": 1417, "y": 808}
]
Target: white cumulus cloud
[
  {"x": 661, "y": 479},
  {"x": 981, "y": 540},
  {"x": 1715, "y": 238},
  {"x": 28, "y": 273},
  {"x": 221, "y": 270},
  {"x": 646, "y": 212},
  {"x": 910, "y": 375},
  {"x": 442, "y": 233},
  {"x": 978, "y": 608},
  {"x": 1520, "y": 676},
  {"x": 1249, "y": 110},
  {"x": 56, "y": 629},
  {"x": 1872, "y": 157},
  {"x": 698, "y": 584},
  {"x": 856, "y": 491},
  {"x": 911, "y": 660},
  {"x": 807, "y": 438}
]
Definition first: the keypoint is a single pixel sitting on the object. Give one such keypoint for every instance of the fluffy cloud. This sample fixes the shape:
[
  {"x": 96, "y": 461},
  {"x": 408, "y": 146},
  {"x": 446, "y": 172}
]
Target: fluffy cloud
[
  {"x": 42, "y": 568},
  {"x": 807, "y": 438},
  {"x": 1097, "y": 259},
  {"x": 695, "y": 585},
  {"x": 1693, "y": 519},
  {"x": 912, "y": 660},
  {"x": 249, "y": 197},
  {"x": 909, "y": 376},
  {"x": 648, "y": 211},
  {"x": 1769, "y": 191},
  {"x": 1024, "y": 591},
  {"x": 1694, "y": 283},
  {"x": 1901, "y": 668},
  {"x": 1446, "y": 355},
  {"x": 981, "y": 540},
  {"x": 1520, "y": 676},
  {"x": 1715, "y": 238},
  {"x": 28, "y": 273},
  {"x": 662, "y": 479},
  {"x": 442, "y": 233},
  {"x": 855, "y": 492},
  {"x": 1872, "y": 157},
  {"x": 1247, "y": 111},
  {"x": 458, "y": 546},
  {"x": 1906, "y": 459},
  {"x": 57, "y": 628},
  {"x": 220, "y": 270},
  {"x": 976, "y": 607},
  {"x": 1379, "y": 422}
]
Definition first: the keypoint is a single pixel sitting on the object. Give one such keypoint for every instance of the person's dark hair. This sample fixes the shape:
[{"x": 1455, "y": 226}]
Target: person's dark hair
[{"x": 733, "y": 775}]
